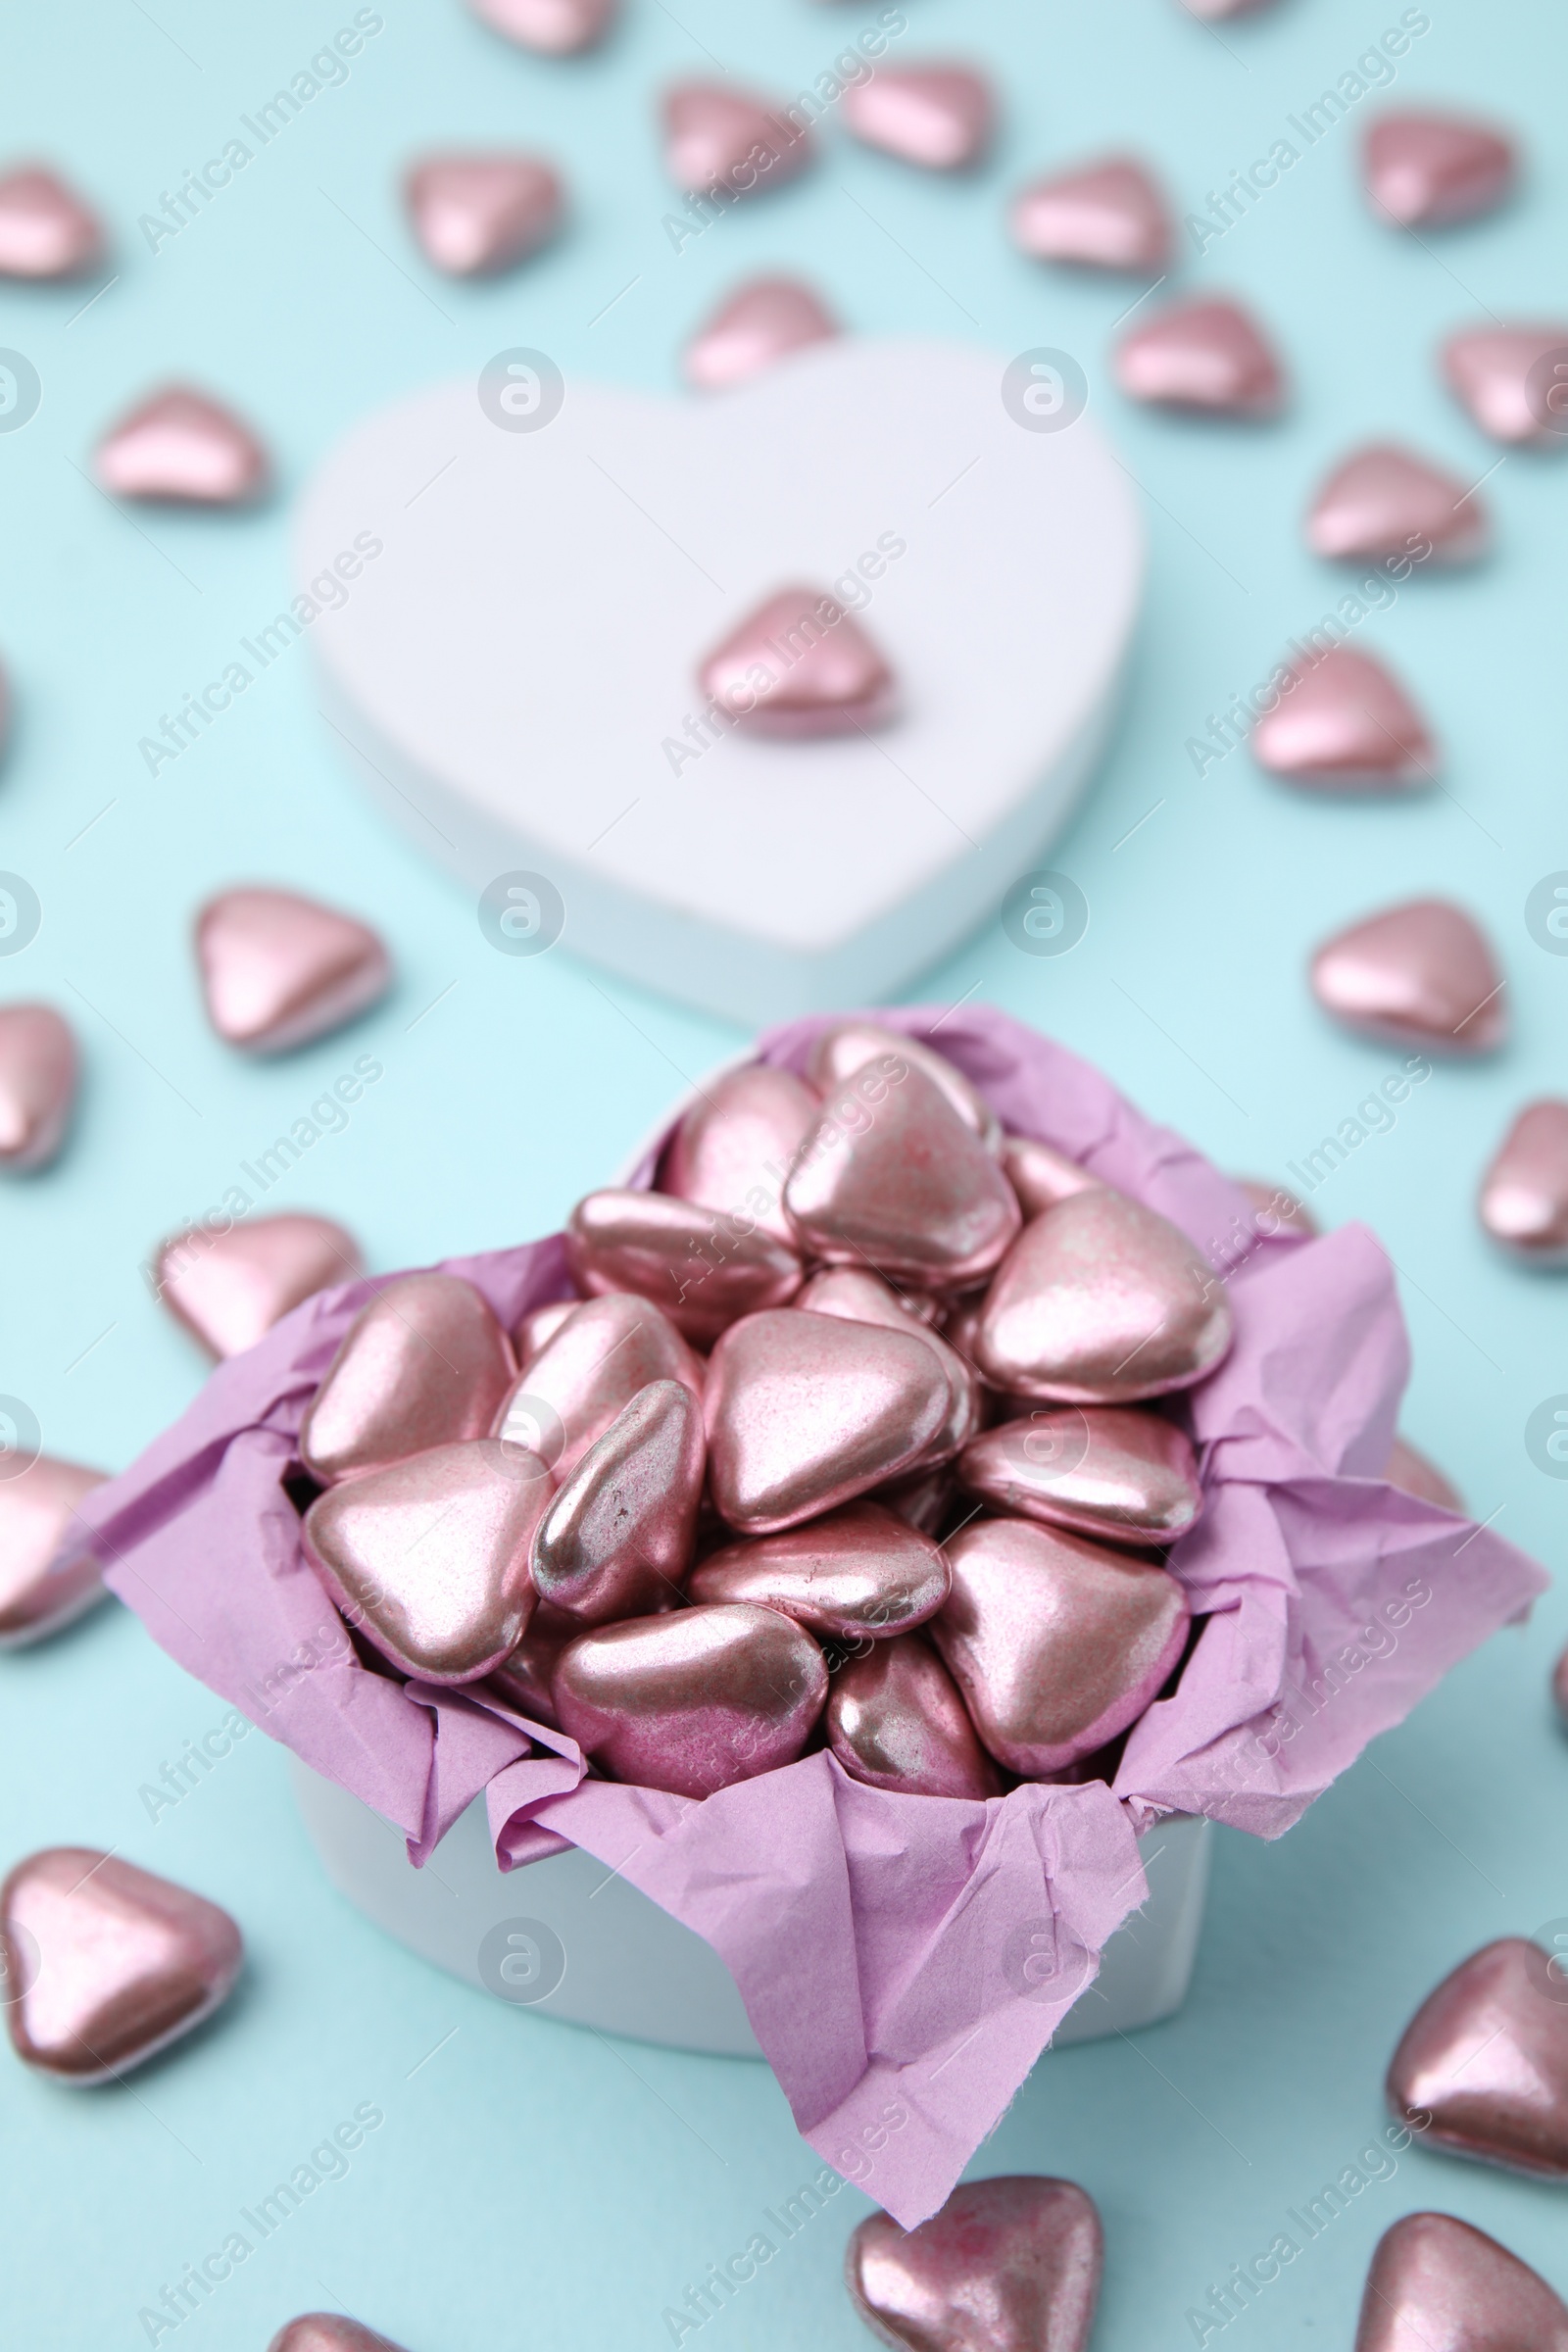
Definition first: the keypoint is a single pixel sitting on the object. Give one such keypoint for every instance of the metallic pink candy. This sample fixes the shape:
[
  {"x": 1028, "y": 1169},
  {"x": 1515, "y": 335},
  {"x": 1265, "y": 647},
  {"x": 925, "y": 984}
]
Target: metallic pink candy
[
  {"x": 850, "y": 1048},
  {"x": 734, "y": 1148},
  {"x": 182, "y": 449},
  {"x": 553, "y": 27},
  {"x": 895, "y": 1720},
  {"x": 1346, "y": 724},
  {"x": 693, "y": 1701},
  {"x": 617, "y": 1540},
  {"x": 717, "y": 136},
  {"x": 1009, "y": 2265},
  {"x": 429, "y": 1558},
  {"x": 939, "y": 117},
  {"x": 858, "y": 1571},
  {"x": 37, "y": 1512},
  {"x": 1040, "y": 1176},
  {"x": 704, "y": 1267},
  {"x": 230, "y": 1287},
  {"x": 1106, "y": 216},
  {"x": 800, "y": 667},
  {"x": 600, "y": 1356},
  {"x": 1100, "y": 1301},
  {"x": 1485, "y": 2061},
  {"x": 1206, "y": 356},
  {"x": 425, "y": 1364},
  {"x": 1513, "y": 380},
  {"x": 45, "y": 228},
  {"x": 807, "y": 1412},
  {"x": 38, "y": 1071},
  {"x": 892, "y": 1178},
  {"x": 858, "y": 1297},
  {"x": 1418, "y": 974},
  {"x": 1125, "y": 1476},
  {"x": 279, "y": 971},
  {"x": 1524, "y": 1194},
  {"x": 328, "y": 2331},
  {"x": 1057, "y": 1643},
  {"x": 1438, "y": 2286},
  {"x": 105, "y": 1964},
  {"x": 1383, "y": 503},
  {"x": 754, "y": 327},
  {"x": 1428, "y": 170},
  {"x": 477, "y": 215}
]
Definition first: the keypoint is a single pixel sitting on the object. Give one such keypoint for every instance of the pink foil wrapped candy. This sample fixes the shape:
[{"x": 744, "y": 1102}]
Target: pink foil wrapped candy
[
  {"x": 1434, "y": 2282},
  {"x": 278, "y": 970},
  {"x": 1111, "y": 1471},
  {"x": 799, "y": 667},
  {"x": 1524, "y": 1194},
  {"x": 939, "y": 117},
  {"x": 894, "y": 1718},
  {"x": 113, "y": 1964},
  {"x": 704, "y": 1267},
  {"x": 1106, "y": 215},
  {"x": 553, "y": 27},
  {"x": 1208, "y": 357},
  {"x": 1513, "y": 380},
  {"x": 1380, "y": 504},
  {"x": 1418, "y": 974},
  {"x": 855, "y": 1572},
  {"x": 328, "y": 2331},
  {"x": 717, "y": 136},
  {"x": 39, "y": 1067},
  {"x": 756, "y": 326},
  {"x": 425, "y": 1364},
  {"x": 600, "y": 1355},
  {"x": 39, "y": 1593},
  {"x": 182, "y": 449},
  {"x": 477, "y": 215},
  {"x": 45, "y": 229},
  {"x": 894, "y": 1909},
  {"x": 617, "y": 1538},
  {"x": 1485, "y": 2061},
  {"x": 1426, "y": 171},
  {"x": 228, "y": 1285},
  {"x": 734, "y": 1148},
  {"x": 1346, "y": 724},
  {"x": 1009, "y": 2265}
]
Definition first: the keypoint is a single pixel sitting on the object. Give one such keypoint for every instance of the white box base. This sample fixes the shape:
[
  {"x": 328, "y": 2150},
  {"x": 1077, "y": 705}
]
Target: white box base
[{"x": 632, "y": 1969}]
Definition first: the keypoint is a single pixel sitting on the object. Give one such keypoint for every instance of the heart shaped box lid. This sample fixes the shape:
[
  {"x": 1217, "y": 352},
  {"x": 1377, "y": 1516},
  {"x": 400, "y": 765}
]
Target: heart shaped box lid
[
  {"x": 878, "y": 1935},
  {"x": 513, "y": 672}
]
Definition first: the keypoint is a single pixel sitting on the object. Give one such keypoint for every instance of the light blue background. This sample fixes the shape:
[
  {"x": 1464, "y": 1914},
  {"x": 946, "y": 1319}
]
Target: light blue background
[{"x": 532, "y": 2186}]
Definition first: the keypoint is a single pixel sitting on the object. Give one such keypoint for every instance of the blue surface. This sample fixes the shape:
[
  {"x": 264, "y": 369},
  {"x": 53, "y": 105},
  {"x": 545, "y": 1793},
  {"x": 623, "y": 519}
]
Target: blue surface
[{"x": 532, "y": 2186}]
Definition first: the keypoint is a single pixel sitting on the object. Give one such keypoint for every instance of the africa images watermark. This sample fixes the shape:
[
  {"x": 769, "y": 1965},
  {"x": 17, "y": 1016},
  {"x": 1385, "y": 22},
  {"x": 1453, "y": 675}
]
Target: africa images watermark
[
  {"x": 1377, "y": 592},
  {"x": 327, "y": 69},
  {"x": 789, "y": 127},
  {"x": 1374, "y": 68},
  {"x": 324, "y": 1646},
  {"x": 329, "y": 592}
]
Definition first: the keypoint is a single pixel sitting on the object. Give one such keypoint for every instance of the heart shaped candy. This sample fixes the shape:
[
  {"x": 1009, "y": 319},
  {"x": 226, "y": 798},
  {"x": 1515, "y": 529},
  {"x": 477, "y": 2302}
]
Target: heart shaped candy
[
  {"x": 754, "y": 327},
  {"x": 1382, "y": 501},
  {"x": 1057, "y": 1643},
  {"x": 895, "y": 1720},
  {"x": 36, "y": 1513},
  {"x": 425, "y": 1364},
  {"x": 1040, "y": 1176},
  {"x": 799, "y": 666},
  {"x": 538, "y": 1327},
  {"x": 38, "y": 1084},
  {"x": 328, "y": 2331},
  {"x": 939, "y": 117},
  {"x": 553, "y": 28},
  {"x": 278, "y": 970},
  {"x": 892, "y": 1178},
  {"x": 761, "y": 878},
  {"x": 182, "y": 449},
  {"x": 1110, "y": 1471},
  {"x": 718, "y": 136},
  {"x": 1524, "y": 1194},
  {"x": 1486, "y": 2057},
  {"x": 1438, "y": 2286},
  {"x": 229, "y": 1288},
  {"x": 105, "y": 1964},
  {"x": 805, "y": 1411},
  {"x": 692, "y": 1701},
  {"x": 1417, "y": 974},
  {"x": 1009, "y": 2265},
  {"x": 839, "y": 1052},
  {"x": 601, "y": 1355},
  {"x": 475, "y": 215},
  {"x": 1209, "y": 357},
  {"x": 734, "y": 1147},
  {"x": 702, "y": 1266},
  {"x": 618, "y": 1538},
  {"x": 858, "y": 1297},
  {"x": 1428, "y": 170},
  {"x": 858, "y": 1571},
  {"x": 1100, "y": 1301},
  {"x": 1511, "y": 379},
  {"x": 45, "y": 228},
  {"x": 430, "y": 1556},
  {"x": 1345, "y": 724},
  {"x": 1106, "y": 215}
]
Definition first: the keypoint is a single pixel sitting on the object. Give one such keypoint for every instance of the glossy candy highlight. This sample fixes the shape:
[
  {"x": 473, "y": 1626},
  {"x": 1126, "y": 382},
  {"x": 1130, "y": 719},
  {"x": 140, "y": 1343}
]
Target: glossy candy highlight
[
  {"x": 38, "y": 1076},
  {"x": 1486, "y": 2059},
  {"x": 1418, "y": 974},
  {"x": 279, "y": 971},
  {"x": 1009, "y": 2265},
  {"x": 228, "y": 1285},
  {"x": 426, "y": 1363}
]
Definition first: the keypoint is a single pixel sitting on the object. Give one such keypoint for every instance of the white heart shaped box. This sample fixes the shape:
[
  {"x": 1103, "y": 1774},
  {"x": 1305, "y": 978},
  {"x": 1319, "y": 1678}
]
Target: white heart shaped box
[{"x": 517, "y": 668}]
